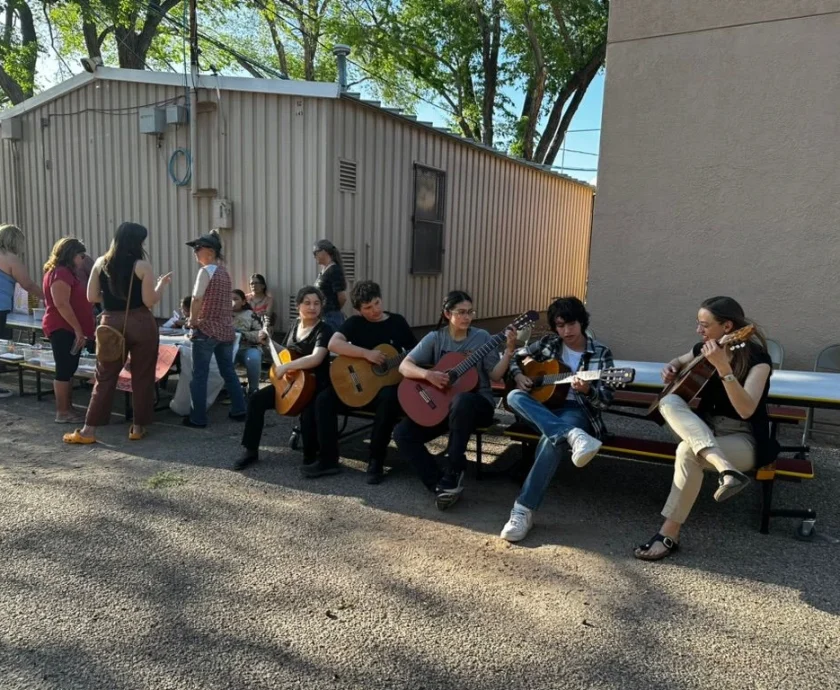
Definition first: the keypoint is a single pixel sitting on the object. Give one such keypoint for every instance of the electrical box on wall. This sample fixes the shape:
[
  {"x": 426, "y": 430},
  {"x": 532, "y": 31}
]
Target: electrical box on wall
[
  {"x": 11, "y": 129},
  {"x": 176, "y": 115},
  {"x": 223, "y": 214},
  {"x": 152, "y": 120}
]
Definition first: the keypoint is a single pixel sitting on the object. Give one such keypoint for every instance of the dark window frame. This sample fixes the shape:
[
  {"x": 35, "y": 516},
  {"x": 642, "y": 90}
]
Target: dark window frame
[{"x": 427, "y": 232}]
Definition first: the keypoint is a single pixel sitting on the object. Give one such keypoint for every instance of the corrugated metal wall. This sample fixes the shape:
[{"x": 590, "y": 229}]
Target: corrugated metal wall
[{"x": 514, "y": 236}]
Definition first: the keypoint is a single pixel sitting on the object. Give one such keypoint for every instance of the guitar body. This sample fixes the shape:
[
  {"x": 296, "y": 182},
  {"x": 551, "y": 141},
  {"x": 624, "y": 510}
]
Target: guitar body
[
  {"x": 425, "y": 404},
  {"x": 687, "y": 385},
  {"x": 552, "y": 395},
  {"x": 293, "y": 392},
  {"x": 357, "y": 382}
]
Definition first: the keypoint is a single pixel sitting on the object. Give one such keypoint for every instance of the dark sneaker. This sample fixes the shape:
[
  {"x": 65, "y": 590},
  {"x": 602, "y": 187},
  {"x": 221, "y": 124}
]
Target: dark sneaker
[
  {"x": 449, "y": 490},
  {"x": 186, "y": 421},
  {"x": 248, "y": 458},
  {"x": 375, "y": 472},
  {"x": 320, "y": 469},
  {"x": 238, "y": 417}
]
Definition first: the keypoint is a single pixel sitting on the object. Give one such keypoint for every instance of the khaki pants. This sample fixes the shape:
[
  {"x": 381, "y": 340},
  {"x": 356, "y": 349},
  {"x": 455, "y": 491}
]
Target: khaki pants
[{"x": 730, "y": 436}]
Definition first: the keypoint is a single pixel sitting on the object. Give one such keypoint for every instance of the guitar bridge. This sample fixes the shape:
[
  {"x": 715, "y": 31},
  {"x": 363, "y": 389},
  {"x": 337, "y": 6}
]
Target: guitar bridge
[
  {"x": 426, "y": 397},
  {"x": 355, "y": 379}
]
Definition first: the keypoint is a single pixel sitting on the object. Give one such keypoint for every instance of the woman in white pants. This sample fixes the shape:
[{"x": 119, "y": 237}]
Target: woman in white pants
[{"x": 729, "y": 433}]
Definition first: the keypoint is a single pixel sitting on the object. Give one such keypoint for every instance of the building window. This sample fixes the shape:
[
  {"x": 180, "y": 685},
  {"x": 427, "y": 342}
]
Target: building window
[{"x": 429, "y": 207}]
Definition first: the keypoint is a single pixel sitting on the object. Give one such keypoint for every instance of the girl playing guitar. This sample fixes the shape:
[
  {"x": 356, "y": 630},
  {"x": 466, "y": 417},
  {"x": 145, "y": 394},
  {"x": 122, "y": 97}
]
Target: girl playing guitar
[{"x": 731, "y": 430}]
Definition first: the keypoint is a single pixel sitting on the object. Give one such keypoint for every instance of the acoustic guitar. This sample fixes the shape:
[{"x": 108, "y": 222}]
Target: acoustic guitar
[
  {"x": 294, "y": 390},
  {"x": 429, "y": 406},
  {"x": 693, "y": 377},
  {"x": 357, "y": 382},
  {"x": 552, "y": 379}
]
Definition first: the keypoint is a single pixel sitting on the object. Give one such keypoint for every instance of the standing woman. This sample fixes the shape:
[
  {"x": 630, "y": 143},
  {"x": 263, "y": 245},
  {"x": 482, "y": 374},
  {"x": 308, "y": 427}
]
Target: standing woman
[
  {"x": 261, "y": 301},
  {"x": 211, "y": 318},
  {"x": 469, "y": 410},
  {"x": 729, "y": 434},
  {"x": 331, "y": 282},
  {"x": 124, "y": 282},
  {"x": 307, "y": 339},
  {"x": 68, "y": 320}
]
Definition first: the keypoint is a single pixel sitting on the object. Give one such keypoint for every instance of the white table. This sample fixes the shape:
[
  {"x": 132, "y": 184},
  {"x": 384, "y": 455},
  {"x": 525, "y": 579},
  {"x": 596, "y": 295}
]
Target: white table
[
  {"x": 787, "y": 387},
  {"x": 24, "y": 322}
]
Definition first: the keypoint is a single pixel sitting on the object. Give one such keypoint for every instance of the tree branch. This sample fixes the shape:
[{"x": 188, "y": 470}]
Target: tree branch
[
  {"x": 571, "y": 48},
  {"x": 538, "y": 92}
]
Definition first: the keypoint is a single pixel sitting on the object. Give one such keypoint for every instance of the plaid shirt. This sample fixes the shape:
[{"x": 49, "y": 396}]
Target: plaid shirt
[{"x": 595, "y": 356}]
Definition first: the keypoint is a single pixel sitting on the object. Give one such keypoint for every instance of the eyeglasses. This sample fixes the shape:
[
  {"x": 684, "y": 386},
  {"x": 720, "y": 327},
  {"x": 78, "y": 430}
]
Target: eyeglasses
[
  {"x": 316, "y": 252},
  {"x": 463, "y": 312}
]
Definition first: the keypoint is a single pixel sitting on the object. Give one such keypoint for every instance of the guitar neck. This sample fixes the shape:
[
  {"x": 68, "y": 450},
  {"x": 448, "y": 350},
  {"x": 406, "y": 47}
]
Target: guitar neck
[
  {"x": 566, "y": 377},
  {"x": 394, "y": 362},
  {"x": 274, "y": 354},
  {"x": 476, "y": 357}
]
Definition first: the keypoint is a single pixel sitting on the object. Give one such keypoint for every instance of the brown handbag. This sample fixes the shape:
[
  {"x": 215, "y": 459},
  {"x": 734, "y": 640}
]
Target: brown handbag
[{"x": 110, "y": 343}]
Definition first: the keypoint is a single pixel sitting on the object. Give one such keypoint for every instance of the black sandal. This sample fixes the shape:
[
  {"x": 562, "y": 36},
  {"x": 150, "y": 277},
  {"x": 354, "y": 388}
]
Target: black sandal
[
  {"x": 724, "y": 491},
  {"x": 669, "y": 544}
]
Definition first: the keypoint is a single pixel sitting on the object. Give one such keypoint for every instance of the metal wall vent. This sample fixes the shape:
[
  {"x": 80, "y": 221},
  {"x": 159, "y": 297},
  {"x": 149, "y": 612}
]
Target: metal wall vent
[
  {"x": 346, "y": 175},
  {"x": 348, "y": 261}
]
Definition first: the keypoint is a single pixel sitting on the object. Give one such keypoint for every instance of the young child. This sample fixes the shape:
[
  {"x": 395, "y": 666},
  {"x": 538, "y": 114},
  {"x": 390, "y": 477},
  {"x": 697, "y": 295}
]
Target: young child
[{"x": 179, "y": 316}]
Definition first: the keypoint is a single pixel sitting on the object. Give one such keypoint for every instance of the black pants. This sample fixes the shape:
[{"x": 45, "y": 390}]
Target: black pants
[
  {"x": 3, "y": 316},
  {"x": 469, "y": 411},
  {"x": 385, "y": 406},
  {"x": 261, "y": 402},
  {"x": 62, "y": 342}
]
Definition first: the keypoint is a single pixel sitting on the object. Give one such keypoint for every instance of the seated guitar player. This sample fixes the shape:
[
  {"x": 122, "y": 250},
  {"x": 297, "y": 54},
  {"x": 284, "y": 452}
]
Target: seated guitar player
[
  {"x": 357, "y": 337},
  {"x": 731, "y": 428},
  {"x": 307, "y": 338},
  {"x": 468, "y": 411},
  {"x": 577, "y": 423}
]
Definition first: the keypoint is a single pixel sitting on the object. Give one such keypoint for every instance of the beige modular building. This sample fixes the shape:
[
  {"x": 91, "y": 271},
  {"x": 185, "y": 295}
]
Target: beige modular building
[
  {"x": 282, "y": 164},
  {"x": 719, "y": 173}
]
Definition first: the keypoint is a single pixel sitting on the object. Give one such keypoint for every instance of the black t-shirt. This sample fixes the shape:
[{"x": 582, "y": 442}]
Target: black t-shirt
[
  {"x": 319, "y": 336},
  {"x": 393, "y": 331},
  {"x": 331, "y": 281},
  {"x": 714, "y": 401}
]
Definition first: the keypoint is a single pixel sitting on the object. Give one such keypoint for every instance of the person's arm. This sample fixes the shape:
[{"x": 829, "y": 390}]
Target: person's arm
[
  {"x": 94, "y": 286},
  {"x": 341, "y": 346},
  {"x": 672, "y": 368},
  {"x": 251, "y": 333},
  {"x": 342, "y": 299},
  {"x": 307, "y": 362},
  {"x": 21, "y": 276},
  {"x": 60, "y": 291},
  {"x": 152, "y": 290},
  {"x": 744, "y": 398},
  {"x": 500, "y": 369},
  {"x": 535, "y": 352},
  {"x": 339, "y": 285},
  {"x": 202, "y": 280},
  {"x": 172, "y": 322},
  {"x": 269, "y": 305},
  {"x": 597, "y": 394}
]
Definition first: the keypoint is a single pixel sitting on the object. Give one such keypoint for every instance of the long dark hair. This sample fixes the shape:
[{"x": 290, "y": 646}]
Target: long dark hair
[
  {"x": 453, "y": 298},
  {"x": 727, "y": 309},
  {"x": 241, "y": 295},
  {"x": 63, "y": 253},
  {"x": 330, "y": 249},
  {"x": 125, "y": 251}
]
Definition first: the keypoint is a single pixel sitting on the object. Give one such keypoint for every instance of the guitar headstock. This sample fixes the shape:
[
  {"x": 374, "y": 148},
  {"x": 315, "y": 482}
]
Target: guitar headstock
[
  {"x": 524, "y": 319},
  {"x": 737, "y": 338},
  {"x": 617, "y": 378}
]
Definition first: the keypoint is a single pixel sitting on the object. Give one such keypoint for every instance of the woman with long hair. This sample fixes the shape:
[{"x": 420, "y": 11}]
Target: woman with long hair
[
  {"x": 308, "y": 338},
  {"x": 730, "y": 432},
  {"x": 12, "y": 271},
  {"x": 331, "y": 281},
  {"x": 211, "y": 321},
  {"x": 68, "y": 320},
  {"x": 249, "y": 354},
  {"x": 469, "y": 410},
  {"x": 124, "y": 282}
]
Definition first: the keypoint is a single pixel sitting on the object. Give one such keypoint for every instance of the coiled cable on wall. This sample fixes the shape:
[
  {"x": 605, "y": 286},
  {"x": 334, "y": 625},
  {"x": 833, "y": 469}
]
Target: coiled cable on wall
[{"x": 185, "y": 180}]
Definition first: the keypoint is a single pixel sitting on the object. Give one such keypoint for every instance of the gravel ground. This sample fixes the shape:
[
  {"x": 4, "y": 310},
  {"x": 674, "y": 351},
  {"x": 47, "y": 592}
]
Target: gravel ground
[{"x": 151, "y": 565}]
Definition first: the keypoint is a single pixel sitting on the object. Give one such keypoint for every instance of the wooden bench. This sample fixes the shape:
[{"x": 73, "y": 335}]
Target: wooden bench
[{"x": 796, "y": 468}]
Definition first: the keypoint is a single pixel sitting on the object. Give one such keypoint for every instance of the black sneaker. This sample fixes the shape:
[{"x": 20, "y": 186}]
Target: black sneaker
[
  {"x": 449, "y": 490},
  {"x": 248, "y": 458},
  {"x": 320, "y": 469},
  {"x": 238, "y": 417},
  {"x": 186, "y": 421},
  {"x": 375, "y": 472}
]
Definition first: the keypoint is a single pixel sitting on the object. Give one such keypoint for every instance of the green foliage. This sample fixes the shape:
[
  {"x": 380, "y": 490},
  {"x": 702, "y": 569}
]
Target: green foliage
[{"x": 165, "y": 480}]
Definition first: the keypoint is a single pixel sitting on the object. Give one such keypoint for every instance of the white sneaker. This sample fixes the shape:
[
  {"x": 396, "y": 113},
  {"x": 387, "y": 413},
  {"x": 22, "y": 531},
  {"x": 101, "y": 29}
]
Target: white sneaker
[
  {"x": 584, "y": 447},
  {"x": 521, "y": 520}
]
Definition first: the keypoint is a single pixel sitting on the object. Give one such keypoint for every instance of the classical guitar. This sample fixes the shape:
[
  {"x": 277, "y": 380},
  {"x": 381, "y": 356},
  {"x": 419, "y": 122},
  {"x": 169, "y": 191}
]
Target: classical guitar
[
  {"x": 696, "y": 374},
  {"x": 553, "y": 378},
  {"x": 429, "y": 406},
  {"x": 356, "y": 381},
  {"x": 294, "y": 390}
]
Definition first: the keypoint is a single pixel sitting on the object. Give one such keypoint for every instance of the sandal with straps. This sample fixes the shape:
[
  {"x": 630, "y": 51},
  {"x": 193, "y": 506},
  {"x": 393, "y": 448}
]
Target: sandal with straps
[
  {"x": 77, "y": 438},
  {"x": 135, "y": 435},
  {"x": 727, "y": 491},
  {"x": 669, "y": 544}
]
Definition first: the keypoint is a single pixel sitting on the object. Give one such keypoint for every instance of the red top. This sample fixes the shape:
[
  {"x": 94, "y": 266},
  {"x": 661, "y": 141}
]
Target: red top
[{"x": 53, "y": 320}]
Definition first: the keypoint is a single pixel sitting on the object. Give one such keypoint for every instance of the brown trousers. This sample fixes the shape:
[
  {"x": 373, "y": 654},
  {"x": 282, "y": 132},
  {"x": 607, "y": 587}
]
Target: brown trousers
[{"x": 141, "y": 342}]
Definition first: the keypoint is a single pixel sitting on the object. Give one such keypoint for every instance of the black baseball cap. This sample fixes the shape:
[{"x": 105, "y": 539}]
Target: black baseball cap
[{"x": 210, "y": 240}]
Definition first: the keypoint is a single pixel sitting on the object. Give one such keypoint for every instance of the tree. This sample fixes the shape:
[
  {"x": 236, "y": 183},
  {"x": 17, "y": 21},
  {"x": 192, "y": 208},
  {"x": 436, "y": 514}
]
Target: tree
[{"x": 18, "y": 52}]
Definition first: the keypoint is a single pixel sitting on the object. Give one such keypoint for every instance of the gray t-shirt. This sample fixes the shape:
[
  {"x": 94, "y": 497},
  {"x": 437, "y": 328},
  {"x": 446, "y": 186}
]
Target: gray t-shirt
[{"x": 436, "y": 344}]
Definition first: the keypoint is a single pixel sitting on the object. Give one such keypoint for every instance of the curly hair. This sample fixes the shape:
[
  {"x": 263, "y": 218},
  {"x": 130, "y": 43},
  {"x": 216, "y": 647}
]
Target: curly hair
[
  {"x": 364, "y": 292},
  {"x": 63, "y": 253}
]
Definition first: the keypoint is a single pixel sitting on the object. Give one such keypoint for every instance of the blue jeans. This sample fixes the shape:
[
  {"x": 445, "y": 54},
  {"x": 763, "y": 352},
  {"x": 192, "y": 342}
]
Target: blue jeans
[
  {"x": 251, "y": 359},
  {"x": 334, "y": 319},
  {"x": 553, "y": 425},
  {"x": 203, "y": 349}
]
